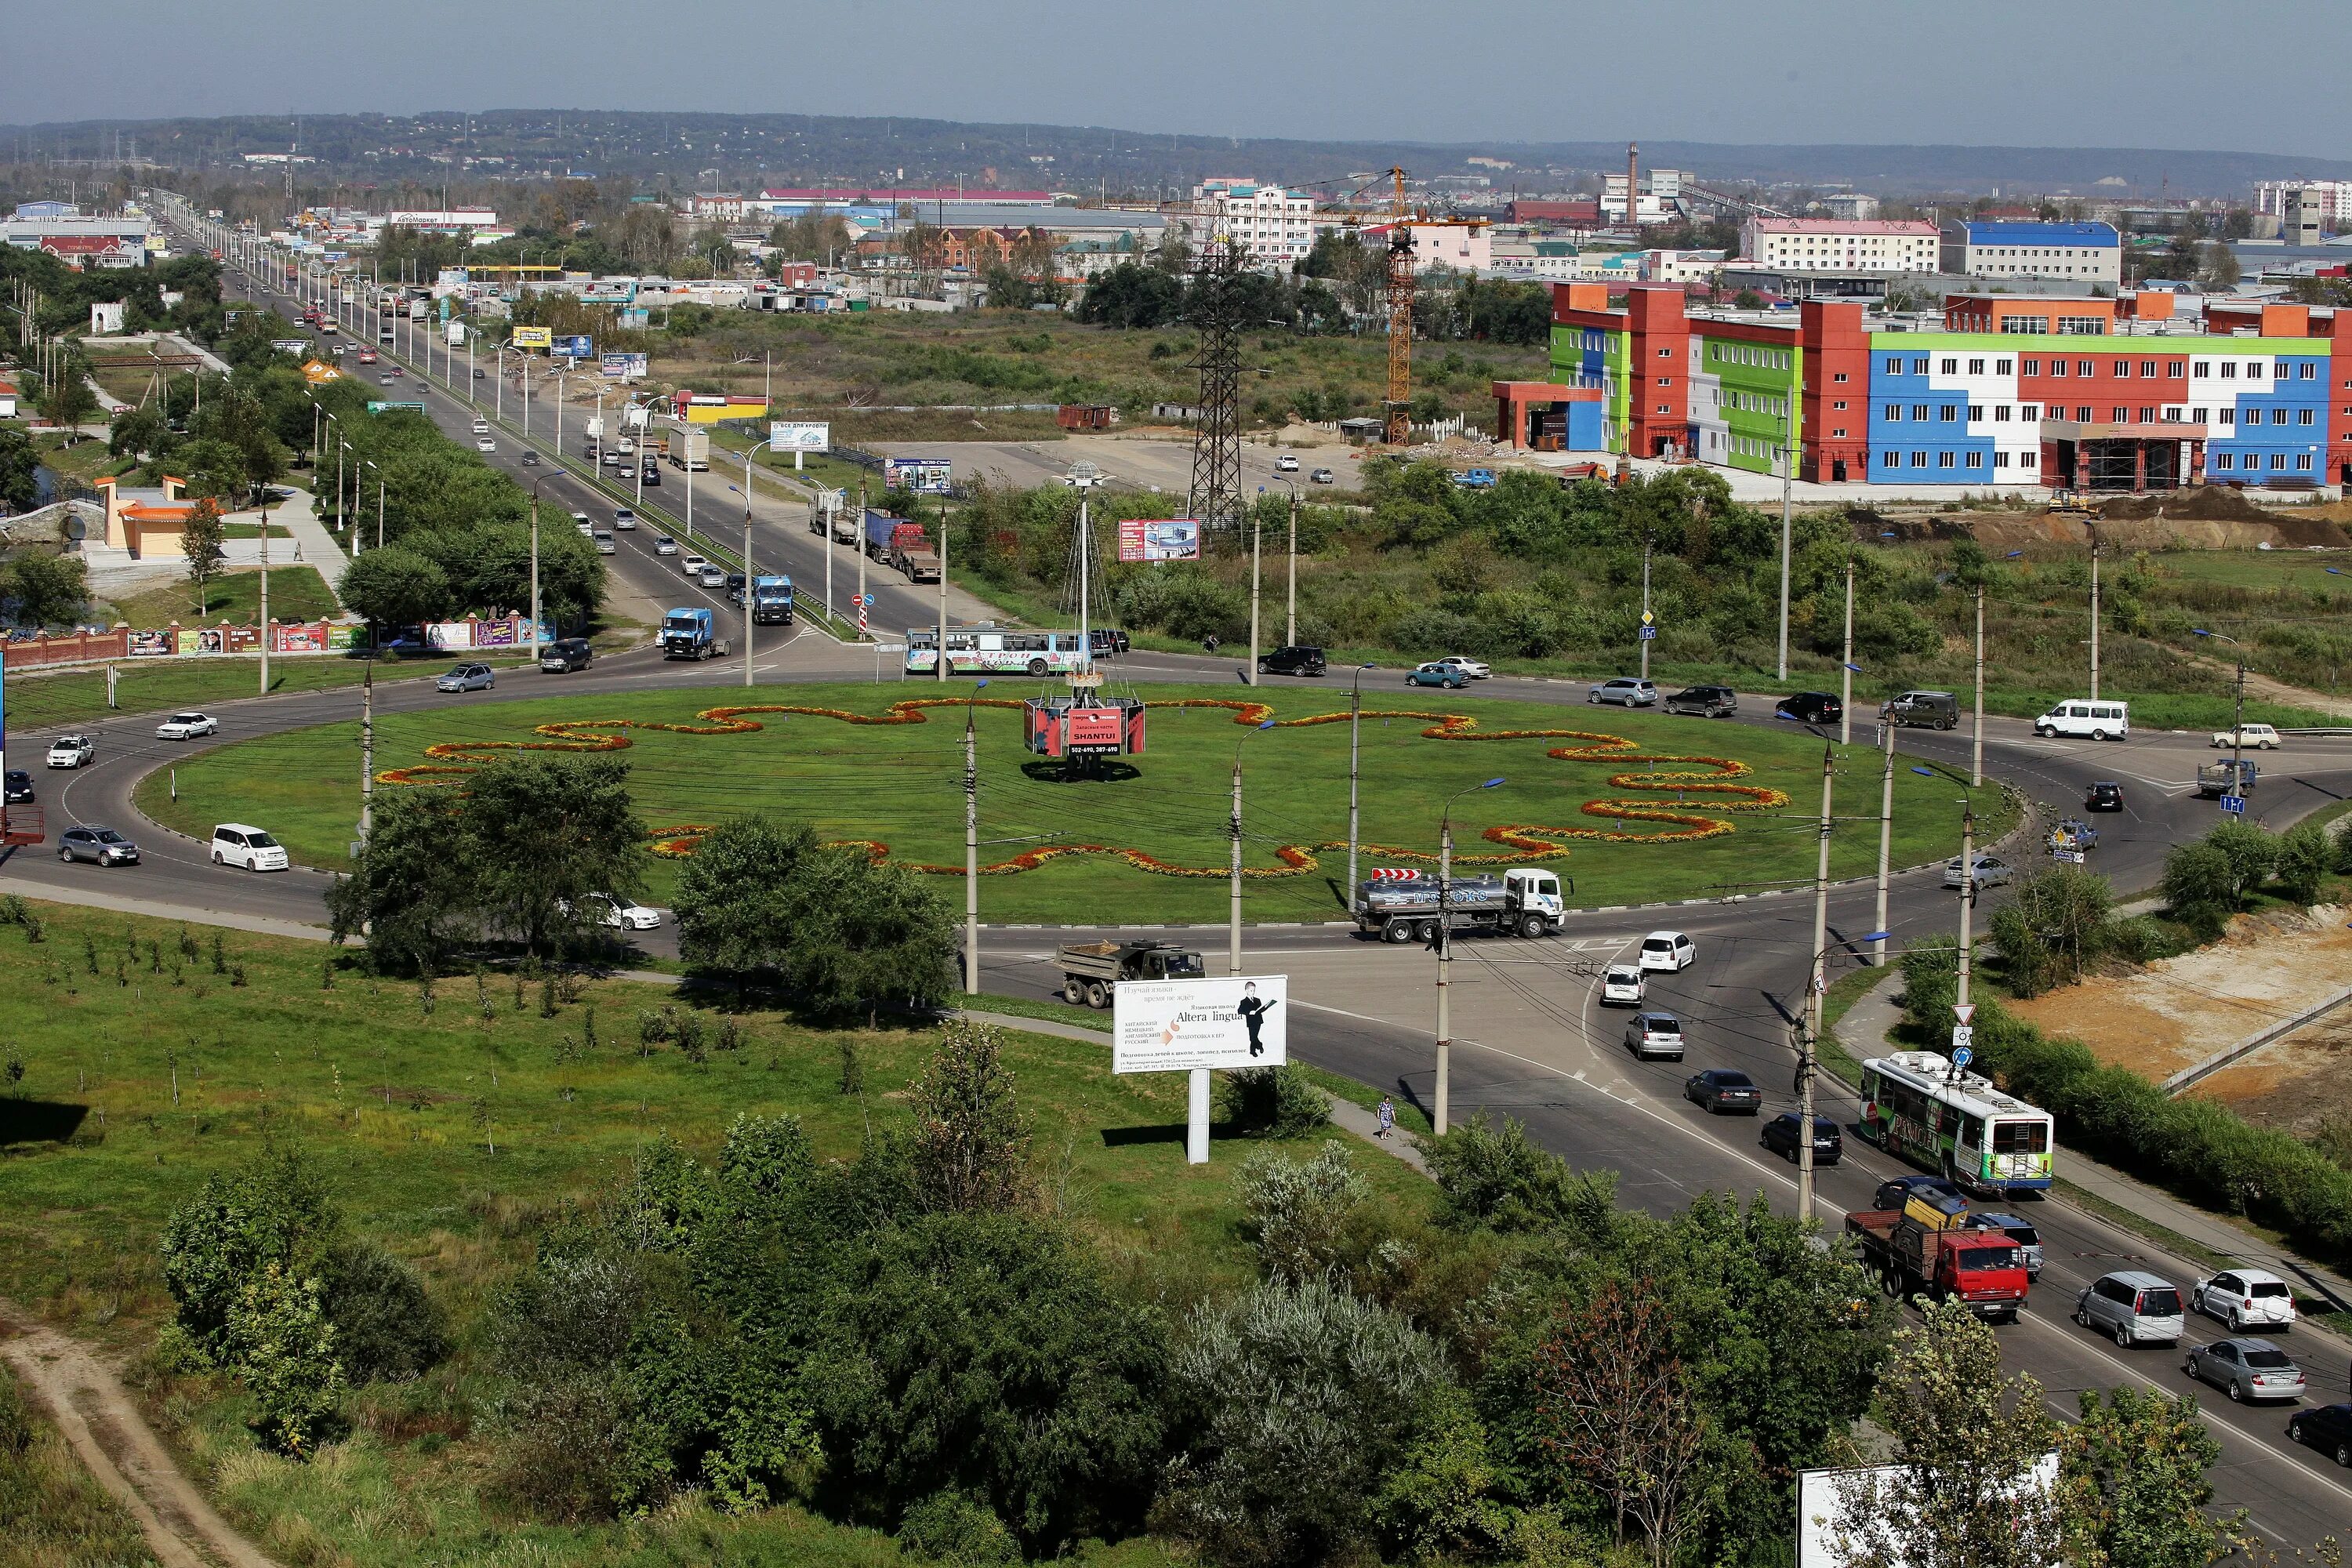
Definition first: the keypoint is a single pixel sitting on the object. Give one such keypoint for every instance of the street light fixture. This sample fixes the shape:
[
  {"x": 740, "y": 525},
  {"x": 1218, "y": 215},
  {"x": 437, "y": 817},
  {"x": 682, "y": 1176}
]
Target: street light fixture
[
  {"x": 1445, "y": 950},
  {"x": 2238, "y": 716},
  {"x": 1355, "y": 726},
  {"x": 971, "y": 842},
  {"x": 1233, "y": 934}
]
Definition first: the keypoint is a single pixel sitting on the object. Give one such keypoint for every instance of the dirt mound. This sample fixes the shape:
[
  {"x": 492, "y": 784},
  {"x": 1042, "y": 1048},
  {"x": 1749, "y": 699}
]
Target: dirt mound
[
  {"x": 2198, "y": 503},
  {"x": 1870, "y": 526}
]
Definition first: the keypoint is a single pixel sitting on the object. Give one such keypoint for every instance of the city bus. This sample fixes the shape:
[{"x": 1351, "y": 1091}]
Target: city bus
[
  {"x": 990, "y": 650},
  {"x": 1957, "y": 1123}
]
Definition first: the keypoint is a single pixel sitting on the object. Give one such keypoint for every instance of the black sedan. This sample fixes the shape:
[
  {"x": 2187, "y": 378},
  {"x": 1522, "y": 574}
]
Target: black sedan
[
  {"x": 2105, "y": 795},
  {"x": 1829, "y": 1140},
  {"x": 1724, "y": 1089},
  {"x": 1703, "y": 701},
  {"x": 17, "y": 790},
  {"x": 1292, "y": 661},
  {"x": 1810, "y": 707},
  {"x": 2327, "y": 1429}
]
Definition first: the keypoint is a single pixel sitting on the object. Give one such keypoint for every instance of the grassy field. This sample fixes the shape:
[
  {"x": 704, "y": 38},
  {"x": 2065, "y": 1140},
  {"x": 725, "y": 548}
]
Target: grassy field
[
  {"x": 38, "y": 702},
  {"x": 296, "y": 593},
  {"x": 831, "y": 365},
  {"x": 901, "y": 786},
  {"x": 449, "y": 1129}
]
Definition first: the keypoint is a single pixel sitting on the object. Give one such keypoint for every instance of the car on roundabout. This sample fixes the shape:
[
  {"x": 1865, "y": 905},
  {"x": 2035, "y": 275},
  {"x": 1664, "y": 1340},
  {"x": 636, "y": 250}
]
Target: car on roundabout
[
  {"x": 1809, "y": 707},
  {"x": 620, "y": 914},
  {"x": 1721, "y": 1089},
  {"x": 242, "y": 844},
  {"x": 98, "y": 845},
  {"x": 1625, "y": 690},
  {"x": 1436, "y": 674},
  {"x": 466, "y": 678},
  {"x": 72, "y": 752},
  {"x": 187, "y": 727},
  {"x": 16, "y": 788},
  {"x": 2105, "y": 795},
  {"x": 1473, "y": 668},
  {"x": 1667, "y": 950},
  {"x": 1703, "y": 701},
  {"x": 1779, "y": 1135}
]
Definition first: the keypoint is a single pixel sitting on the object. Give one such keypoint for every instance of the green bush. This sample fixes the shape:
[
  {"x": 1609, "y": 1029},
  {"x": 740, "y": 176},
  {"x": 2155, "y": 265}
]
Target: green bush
[
  {"x": 1274, "y": 1102},
  {"x": 1299, "y": 1214},
  {"x": 385, "y": 1325},
  {"x": 1496, "y": 1177},
  {"x": 950, "y": 1526}
]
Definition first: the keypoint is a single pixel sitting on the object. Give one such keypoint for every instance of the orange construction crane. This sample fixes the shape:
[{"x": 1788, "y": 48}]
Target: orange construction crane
[{"x": 1400, "y": 293}]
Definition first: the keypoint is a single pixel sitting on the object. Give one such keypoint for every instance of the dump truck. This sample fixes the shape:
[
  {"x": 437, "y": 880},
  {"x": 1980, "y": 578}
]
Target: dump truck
[
  {"x": 911, "y": 553},
  {"x": 1092, "y": 969},
  {"x": 1922, "y": 1250},
  {"x": 1400, "y": 905},
  {"x": 690, "y": 632},
  {"x": 2231, "y": 776}
]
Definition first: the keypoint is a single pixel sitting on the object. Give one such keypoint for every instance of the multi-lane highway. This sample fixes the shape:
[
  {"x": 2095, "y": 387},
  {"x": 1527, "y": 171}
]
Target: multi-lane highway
[{"x": 1533, "y": 1041}]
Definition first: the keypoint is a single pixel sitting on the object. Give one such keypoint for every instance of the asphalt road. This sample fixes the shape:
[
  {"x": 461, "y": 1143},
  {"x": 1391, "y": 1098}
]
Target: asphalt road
[{"x": 1532, "y": 1041}]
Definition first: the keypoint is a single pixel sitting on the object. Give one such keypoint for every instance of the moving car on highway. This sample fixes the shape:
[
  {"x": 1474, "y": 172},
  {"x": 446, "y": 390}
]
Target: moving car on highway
[
  {"x": 664, "y": 545},
  {"x": 1669, "y": 950},
  {"x": 1469, "y": 667},
  {"x": 1724, "y": 1089},
  {"x": 241, "y": 844},
  {"x": 187, "y": 727},
  {"x": 2105, "y": 795},
  {"x": 2245, "y": 1298},
  {"x": 1779, "y": 1135},
  {"x": 16, "y": 788},
  {"x": 1435, "y": 674},
  {"x": 1657, "y": 1034},
  {"x": 2246, "y": 1370},
  {"x": 1810, "y": 707},
  {"x": 2249, "y": 737},
  {"x": 100, "y": 845},
  {"x": 1991, "y": 871},
  {"x": 466, "y": 678},
  {"x": 1703, "y": 701},
  {"x": 1625, "y": 690},
  {"x": 1287, "y": 661},
  {"x": 1623, "y": 983},
  {"x": 486, "y": 445},
  {"x": 692, "y": 565},
  {"x": 2132, "y": 1306},
  {"x": 624, "y": 520},
  {"x": 72, "y": 752}
]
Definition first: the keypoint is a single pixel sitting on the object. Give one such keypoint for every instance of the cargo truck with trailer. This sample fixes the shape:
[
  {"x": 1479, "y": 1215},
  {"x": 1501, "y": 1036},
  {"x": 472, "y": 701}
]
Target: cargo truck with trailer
[{"x": 1400, "y": 905}]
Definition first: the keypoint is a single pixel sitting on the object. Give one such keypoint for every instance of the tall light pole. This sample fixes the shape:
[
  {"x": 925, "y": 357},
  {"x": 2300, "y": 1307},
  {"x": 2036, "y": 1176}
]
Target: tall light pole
[
  {"x": 1787, "y": 462},
  {"x": 1976, "y": 742},
  {"x": 1445, "y": 951},
  {"x": 1233, "y": 924},
  {"x": 1968, "y": 895},
  {"x": 747, "y": 595},
  {"x": 1257, "y": 532},
  {"x": 264, "y": 612},
  {"x": 2237, "y": 719},
  {"x": 1816, "y": 983},
  {"x": 1845, "y": 675},
  {"x": 1886, "y": 835},
  {"x": 1355, "y": 727},
  {"x": 970, "y": 843},
  {"x": 534, "y": 574},
  {"x": 1643, "y": 636},
  {"x": 2095, "y": 610},
  {"x": 370, "y": 462}
]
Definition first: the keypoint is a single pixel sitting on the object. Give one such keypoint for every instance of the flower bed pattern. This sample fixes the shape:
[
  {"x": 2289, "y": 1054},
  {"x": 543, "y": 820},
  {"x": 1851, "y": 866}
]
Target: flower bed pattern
[{"x": 1522, "y": 842}]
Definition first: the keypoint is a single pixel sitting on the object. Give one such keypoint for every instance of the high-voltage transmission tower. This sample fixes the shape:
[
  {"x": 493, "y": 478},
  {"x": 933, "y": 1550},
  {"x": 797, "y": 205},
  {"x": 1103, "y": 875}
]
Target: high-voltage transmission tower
[{"x": 1217, "y": 437}]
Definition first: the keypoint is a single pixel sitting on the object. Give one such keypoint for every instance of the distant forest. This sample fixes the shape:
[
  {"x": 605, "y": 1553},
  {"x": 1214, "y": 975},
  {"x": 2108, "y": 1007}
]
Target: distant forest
[{"x": 680, "y": 152}]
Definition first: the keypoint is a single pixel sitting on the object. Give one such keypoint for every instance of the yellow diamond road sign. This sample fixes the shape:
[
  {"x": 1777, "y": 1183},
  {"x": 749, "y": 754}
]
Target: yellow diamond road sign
[{"x": 1646, "y": 618}]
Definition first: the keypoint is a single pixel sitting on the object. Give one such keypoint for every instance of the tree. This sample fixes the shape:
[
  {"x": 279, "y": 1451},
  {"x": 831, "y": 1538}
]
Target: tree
[
  {"x": 2304, "y": 856},
  {"x": 1132, "y": 296},
  {"x": 1618, "y": 1412},
  {"x": 2057, "y": 924},
  {"x": 68, "y": 401},
  {"x": 19, "y": 478},
  {"x": 285, "y": 1348},
  {"x": 544, "y": 832},
  {"x": 2201, "y": 886},
  {"x": 1295, "y": 1400},
  {"x": 38, "y": 590},
  {"x": 2132, "y": 1481},
  {"x": 734, "y": 898},
  {"x": 411, "y": 890},
  {"x": 201, "y": 542},
  {"x": 1964, "y": 1493},
  {"x": 1496, "y": 1178},
  {"x": 395, "y": 587},
  {"x": 970, "y": 1147},
  {"x": 863, "y": 932}
]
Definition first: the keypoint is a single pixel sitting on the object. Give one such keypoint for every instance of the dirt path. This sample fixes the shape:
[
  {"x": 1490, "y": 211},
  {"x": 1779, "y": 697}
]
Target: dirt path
[
  {"x": 102, "y": 1423},
  {"x": 2262, "y": 689}
]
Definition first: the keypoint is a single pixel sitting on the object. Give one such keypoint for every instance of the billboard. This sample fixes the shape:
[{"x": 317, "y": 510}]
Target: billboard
[
  {"x": 623, "y": 367},
  {"x": 1159, "y": 539},
  {"x": 532, "y": 337},
  {"x": 298, "y": 639},
  {"x": 710, "y": 408},
  {"x": 799, "y": 437},
  {"x": 579, "y": 346},
  {"x": 377, "y": 407},
  {"x": 1174, "y": 1026},
  {"x": 926, "y": 475}
]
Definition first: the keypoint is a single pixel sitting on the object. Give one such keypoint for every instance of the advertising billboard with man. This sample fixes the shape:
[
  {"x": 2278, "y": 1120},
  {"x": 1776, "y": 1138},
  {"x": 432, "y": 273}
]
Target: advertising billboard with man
[{"x": 1176, "y": 1025}]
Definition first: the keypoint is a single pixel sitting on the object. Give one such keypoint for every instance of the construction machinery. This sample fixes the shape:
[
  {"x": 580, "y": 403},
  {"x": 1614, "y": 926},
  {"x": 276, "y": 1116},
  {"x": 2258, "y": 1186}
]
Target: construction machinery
[
  {"x": 1398, "y": 407},
  {"x": 2070, "y": 503}
]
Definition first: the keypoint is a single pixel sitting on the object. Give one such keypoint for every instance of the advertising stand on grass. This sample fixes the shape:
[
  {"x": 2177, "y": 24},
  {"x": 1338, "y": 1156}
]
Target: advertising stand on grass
[{"x": 1198, "y": 1026}]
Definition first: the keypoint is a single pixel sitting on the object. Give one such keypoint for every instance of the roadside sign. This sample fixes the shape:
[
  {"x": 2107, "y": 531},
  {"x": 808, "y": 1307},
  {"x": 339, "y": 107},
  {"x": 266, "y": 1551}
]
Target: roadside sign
[
  {"x": 1647, "y": 633},
  {"x": 2069, "y": 856},
  {"x": 1961, "y": 1055},
  {"x": 2235, "y": 805},
  {"x": 1965, "y": 1012},
  {"x": 1647, "y": 617}
]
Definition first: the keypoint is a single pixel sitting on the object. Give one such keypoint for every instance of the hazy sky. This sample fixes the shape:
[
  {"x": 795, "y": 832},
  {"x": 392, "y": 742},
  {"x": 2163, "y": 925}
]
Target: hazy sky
[{"x": 2045, "y": 72}]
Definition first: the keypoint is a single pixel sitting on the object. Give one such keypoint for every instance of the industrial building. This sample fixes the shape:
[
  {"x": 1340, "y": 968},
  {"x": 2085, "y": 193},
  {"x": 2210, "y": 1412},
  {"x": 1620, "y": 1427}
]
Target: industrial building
[
  {"x": 2083, "y": 254},
  {"x": 1839, "y": 245},
  {"x": 2081, "y": 392},
  {"x": 78, "y": 239}
]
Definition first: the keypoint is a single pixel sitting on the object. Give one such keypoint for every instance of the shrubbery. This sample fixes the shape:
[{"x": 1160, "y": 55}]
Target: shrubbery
[{"x": 1274, "y": 1102}]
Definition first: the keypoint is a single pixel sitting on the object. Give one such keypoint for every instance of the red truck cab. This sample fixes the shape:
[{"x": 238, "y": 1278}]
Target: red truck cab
[{"x": 1913, "y": 1255}]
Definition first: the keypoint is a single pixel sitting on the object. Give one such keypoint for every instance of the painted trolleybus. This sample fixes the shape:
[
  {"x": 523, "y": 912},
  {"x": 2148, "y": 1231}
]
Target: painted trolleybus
[
  {"x": 986, "y": 649},
  {"x": 1955, "y": 1122}
]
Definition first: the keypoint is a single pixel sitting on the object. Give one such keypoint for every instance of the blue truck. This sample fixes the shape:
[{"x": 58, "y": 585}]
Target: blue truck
[
  {"x": 1475, "y": 479},
  {"x": 772, "y": 601},
  {"x": 690, "y": 634}
]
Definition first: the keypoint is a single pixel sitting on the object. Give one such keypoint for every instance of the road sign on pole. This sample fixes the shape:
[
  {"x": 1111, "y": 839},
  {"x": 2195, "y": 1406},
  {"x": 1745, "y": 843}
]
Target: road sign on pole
[
  {"x": 2235, "y": 805},
  {"x": 1961, "y": 1055},
  {"x": 1647, "y": 634},
  {"x": 1965, "y": 1012}
]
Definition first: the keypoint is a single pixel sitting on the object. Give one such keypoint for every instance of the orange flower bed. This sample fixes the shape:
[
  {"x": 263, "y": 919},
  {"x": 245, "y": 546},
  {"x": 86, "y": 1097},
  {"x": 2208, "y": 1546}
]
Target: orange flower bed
[{"x": 1524, "y": 842}]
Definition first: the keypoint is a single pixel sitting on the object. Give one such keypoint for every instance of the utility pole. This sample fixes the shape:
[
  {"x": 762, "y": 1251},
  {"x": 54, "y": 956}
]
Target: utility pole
[
  {"x": 367, "y": 747},
  {"x": 1815, "y": 983},
  {"x": 939, "y": 664},
  {"x": 1886, "y": 836},
  {"x": 265, "y": 601},
  {"x": 2094, "y": 612},
  {"x": 1643, "y": 636},
  {"x": 1234, "y": 926},
  {"x": 971, "y": 847},
  {"x": 534, "y": 572},
  {"x": 1444, "y": 967},
  {"x": 1975, "y": 745},
  {"x": 1257, "y": 532},
  {"x": 1967, "y": 891},
  {"x": 1787, "y": 462},
  {"x": 747, "y": 595},
  {"x": 1290, "y": 632},
  {"x": 1355, "y": 727},
  {"x": 1845, "y": 670}
]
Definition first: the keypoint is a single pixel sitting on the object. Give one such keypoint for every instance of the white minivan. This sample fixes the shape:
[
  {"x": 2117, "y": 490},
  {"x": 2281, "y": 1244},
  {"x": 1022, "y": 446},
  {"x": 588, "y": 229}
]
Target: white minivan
[
  {"x": 2081, "y": 717},
  {"x": 241, "y": 844}
]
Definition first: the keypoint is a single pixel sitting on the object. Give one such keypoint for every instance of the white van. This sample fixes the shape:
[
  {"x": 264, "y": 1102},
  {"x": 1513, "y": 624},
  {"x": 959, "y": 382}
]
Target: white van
[{"x": 2081, "y": 717}]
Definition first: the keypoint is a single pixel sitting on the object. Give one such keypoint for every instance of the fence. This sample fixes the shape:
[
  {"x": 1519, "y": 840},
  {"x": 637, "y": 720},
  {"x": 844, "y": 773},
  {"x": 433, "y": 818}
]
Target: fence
[{"x": 290, "y": 638}]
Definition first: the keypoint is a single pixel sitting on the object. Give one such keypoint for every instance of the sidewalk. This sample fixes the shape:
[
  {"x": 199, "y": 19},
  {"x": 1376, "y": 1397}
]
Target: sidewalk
[
  {"x": 311, "y": 544},
  {"x": 1863, "y": 1030}
]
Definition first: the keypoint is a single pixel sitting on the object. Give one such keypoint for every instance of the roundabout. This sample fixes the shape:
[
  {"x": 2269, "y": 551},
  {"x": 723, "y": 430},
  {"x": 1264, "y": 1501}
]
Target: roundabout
[{"x": 1655, "y": 809}]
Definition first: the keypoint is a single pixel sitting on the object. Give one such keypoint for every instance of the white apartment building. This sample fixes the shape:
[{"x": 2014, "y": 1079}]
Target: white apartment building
[
  {"x": 1465, "y": 244},
  {"x": 1840, "y": 245},
  {"x": 1274, "y": 225},
  {"x": 2335, "y": 197}
]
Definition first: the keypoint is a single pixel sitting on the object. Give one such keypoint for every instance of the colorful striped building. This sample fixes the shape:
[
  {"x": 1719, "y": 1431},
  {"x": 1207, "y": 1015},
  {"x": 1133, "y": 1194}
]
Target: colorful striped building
[{"x": 2090, "y": 392}]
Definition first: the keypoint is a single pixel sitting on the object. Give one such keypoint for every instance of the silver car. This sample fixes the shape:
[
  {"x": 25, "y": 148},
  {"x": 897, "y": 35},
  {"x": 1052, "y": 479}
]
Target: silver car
[
  {"x": 2132, "y": 1306},
  {"x": 1991, "y": 871},
  {"x": 2246, "y": 1370},
  {"x": 466, "y": 678},
  {"x": 1625, "y": 692}
]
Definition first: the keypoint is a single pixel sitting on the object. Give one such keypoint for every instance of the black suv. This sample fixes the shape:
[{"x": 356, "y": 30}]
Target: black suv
[
  {"x": 1810, "y": 707},
  {"x": 1706, "y": 701},
  {"x": 17, "y": 790},
  {"x": 563, "y": 657},
  {"x": 1291, "y": 662},
  {"x": 1829, "y": 1139},
  {"x": 1107, "y": 640},
  {"x": 2106, "y": 795}
]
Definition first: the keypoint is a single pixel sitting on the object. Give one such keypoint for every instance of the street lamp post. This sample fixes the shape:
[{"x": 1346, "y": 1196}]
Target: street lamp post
[
  {"x": 2094, "y": 611},
  {"x": 1355, "y": 727},
  {"x": 1445, "y": 952},
  {"x": 378, "y": 509},
  {"x": 1643, "y": 635},
  {"x": 1976, "y": 742},
  {"x": 970, "y": 843},
  {"x": 1968, "y": 896},
  {"x": 1885, "y": 836},
  {"x": 2237, "y": 719},
  {"x": 1787, "y": 462},
  {"x": 534, "y": 573},
  {"x": 1816, "y": 983},
  {"x": 1845, "y": 676},
  {"x": 1257, "y": 532},
  {"x": 1234, "y": 926}
]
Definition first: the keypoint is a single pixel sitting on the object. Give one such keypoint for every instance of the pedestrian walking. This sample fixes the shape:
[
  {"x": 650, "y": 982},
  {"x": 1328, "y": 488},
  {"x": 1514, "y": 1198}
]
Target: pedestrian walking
[{"x": 1388, "y": 1116}]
